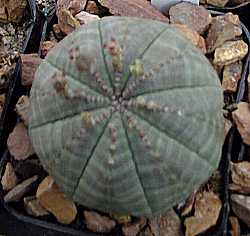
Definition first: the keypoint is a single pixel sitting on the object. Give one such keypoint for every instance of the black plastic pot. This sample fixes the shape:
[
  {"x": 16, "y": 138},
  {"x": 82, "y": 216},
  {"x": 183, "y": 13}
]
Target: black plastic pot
[
  {"x": 79, "y": 229},
  {"x": 8, "y": 116}
]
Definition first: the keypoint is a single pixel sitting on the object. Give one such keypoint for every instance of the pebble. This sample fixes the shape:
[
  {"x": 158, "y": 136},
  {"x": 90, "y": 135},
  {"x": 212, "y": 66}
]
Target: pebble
[
  {"x": 54, "y": 201},
  {"x": 22, "y": 108},
  {"x": 241, "y": 207},
  {"x": 19, "y": 143},
  {"x": 66, "y": 21},
  {"x": 134, "y": 228},
  {"x": 230, "y": 52},
  {"x": 98, "y": 223},
  {"x": 9, "y": 179},
  {"x": 46, "y": 46},
  {"x": 217, "y": 3},
  {"x": 20, "y": 190},
  {"x": 165, "y": 225},
  {"x": 85, "y": 17},
  {"x": 92, "y": 8},
  {"x": 240, "y": 173},
  {"x": 241, "y": 116},
  {"x": 223, "y": 28},
  {"x": 33, "y": 207},
  {"x": 195, "y": 17},
  {"x": 231, "y": 76},
  {"x": 12, "y": 10}
]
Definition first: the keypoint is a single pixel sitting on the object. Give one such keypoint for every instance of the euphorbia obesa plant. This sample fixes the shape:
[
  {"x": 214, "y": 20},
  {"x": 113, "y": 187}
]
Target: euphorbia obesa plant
[{"x": 126, "y": 116}]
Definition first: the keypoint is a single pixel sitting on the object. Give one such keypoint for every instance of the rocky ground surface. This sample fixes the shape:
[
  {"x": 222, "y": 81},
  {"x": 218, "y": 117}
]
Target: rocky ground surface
[{"x": 26, "y": 185}]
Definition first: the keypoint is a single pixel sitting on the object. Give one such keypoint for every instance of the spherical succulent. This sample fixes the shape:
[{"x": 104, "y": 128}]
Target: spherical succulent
[{"x": 126, "y": 116}]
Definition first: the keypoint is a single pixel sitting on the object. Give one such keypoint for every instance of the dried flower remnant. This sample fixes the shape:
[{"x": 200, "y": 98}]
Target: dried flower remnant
[{"x": 114, "y": 49}]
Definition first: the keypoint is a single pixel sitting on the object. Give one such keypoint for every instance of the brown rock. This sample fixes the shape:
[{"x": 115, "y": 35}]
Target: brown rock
[
  {"x": 241, "y": 207},
  {"x": 231, "y": 76},
  {"x": 85, "y": 17},
  {"x": 33, "y": 207},
  {"x": 54, "y": 201},
  {"x": 92, "y": 8},
  {"x": 20, "y": 190},
  {"x": 238, "y": 188},
  {"x": 66, "y": 21},
  {"x": 19, "y": 143},
  {"x": 166, "y": 225},
  {"x": 241, "y": 117},
  {"x": 230, "y": 52},
  {"x": 74, "y": 6},
  {"x": 235, "y": 231},
  {"x": 12, "y": 10},
  {"x": 195, "y": 17},
  {"x": 46, "y": 46},
  {"x": 207, "y": 210},
  {"x": 98, "y": 223},
  {"x": 241, "y": 173},
  {"x": 9, "y": 179},
  {"x": 223, "y": 28},
  {"x": 197, "y": 40},
  {"x": 30, "y": 63},
  {"x": 134, "y": 228},
  {"x": 217, "y": 3},
  {"x": 133, "y": 8},
  {"x": 22, "y": 108}
]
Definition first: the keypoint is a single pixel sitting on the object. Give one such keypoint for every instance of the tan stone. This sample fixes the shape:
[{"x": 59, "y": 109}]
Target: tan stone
[
  {"x": 54, "y": 201},
  {"x": 33, "y": 207},
  {"x": 98, "y": 223},
  {"x": 92, "y": 8},
  {"x": 134, "y": 228},
  {"x": 74, "y": 6},
  {"x": 30, "y": 63},
  {"x": 66, "y": 21},
  {"x": 22, "y": 108},
  {"x": 217, "y": 3},
  {"x": 9, "y": 179},
  {"x": 223, "y": 28},
  {"x": 241, "y": 117},
  {"x": 231, "y": 76},
  {"x": 235, "y": 226},
  {"x": 12, "y": 10},
  {"x": 20, "y": 190},
  {"x": 241, "y": 173},
  {"x": 46, "y": 46},
  {"x": 168, "y": 224},
  {"x": 195, "y": 17},
  {"x": 207, "y": 210},
  {"x": 230, "y": 52},
  {"x": 197, "y": 40},
  {"x": 85, "y": 17},
  {"x": 241, "y": 207}
]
